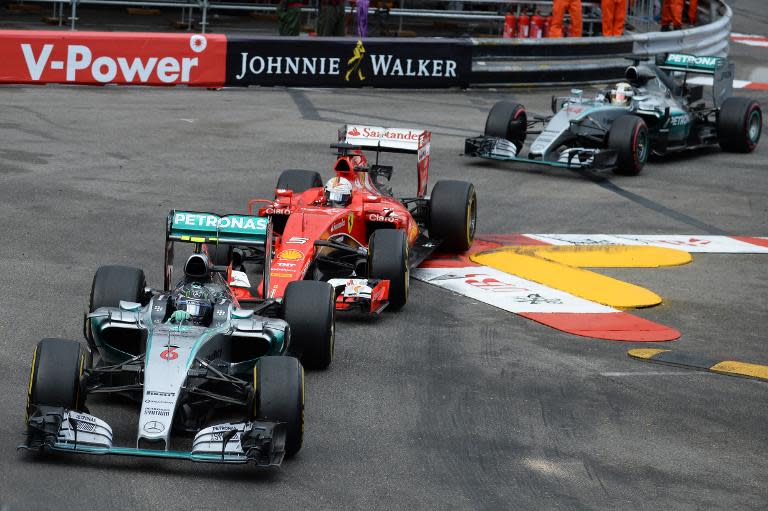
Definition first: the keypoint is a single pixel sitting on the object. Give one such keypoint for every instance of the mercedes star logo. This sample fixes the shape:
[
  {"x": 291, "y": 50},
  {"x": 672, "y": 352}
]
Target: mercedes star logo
[{"x": 154, "y": 427}]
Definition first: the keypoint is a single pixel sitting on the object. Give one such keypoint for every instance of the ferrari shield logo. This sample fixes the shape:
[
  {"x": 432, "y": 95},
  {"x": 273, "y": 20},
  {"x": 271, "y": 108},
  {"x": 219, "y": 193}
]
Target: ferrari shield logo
[{"x": 350, "y": 222}]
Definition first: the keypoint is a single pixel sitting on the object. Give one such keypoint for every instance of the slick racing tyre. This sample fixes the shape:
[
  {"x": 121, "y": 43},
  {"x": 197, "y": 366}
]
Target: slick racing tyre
[
  {"x": 56, "y": 374},
  {"x": 739, "y": 124},
  {"x": 279, "y": 397},
  {"x": 110, "y": 285},
  {"x": 507, "y": 119},
  {"x": 219, "y": 255},
  {"x": 628, "y": 136},
  {"x": 309, "y": 310},
  {"x": 388, "y": 260},
  {"x": 299, "y": 180},
  {"x": 453, "y": 214}
]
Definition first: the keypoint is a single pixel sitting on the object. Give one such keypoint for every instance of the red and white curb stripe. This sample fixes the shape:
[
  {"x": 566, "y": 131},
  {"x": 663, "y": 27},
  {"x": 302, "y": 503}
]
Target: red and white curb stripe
[
  {"x": 552, "y": 307},
  {"x": 687, "y": 242},
  {"x": 750, "y": 39},
  {"x": 737, "y": 84}
]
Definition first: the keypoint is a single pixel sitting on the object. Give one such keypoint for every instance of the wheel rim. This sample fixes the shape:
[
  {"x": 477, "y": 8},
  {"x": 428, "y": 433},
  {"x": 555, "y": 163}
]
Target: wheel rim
[
  {"x": 471, "y": 219},
  {"x": 641, "y": 148},
  {"x": 754, "y": 126}
]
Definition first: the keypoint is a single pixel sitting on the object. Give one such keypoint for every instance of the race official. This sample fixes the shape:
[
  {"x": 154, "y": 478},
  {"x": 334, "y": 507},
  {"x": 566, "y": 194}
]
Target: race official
[
  {"x": 614, "y": 14},
  {"x": 692, "y": 11},
  {"x": 558, "y": 14},
  {"x": 671, "y": 15},
  {"x": 289, "y": 17},
  {"x": 331, "y": 21}
]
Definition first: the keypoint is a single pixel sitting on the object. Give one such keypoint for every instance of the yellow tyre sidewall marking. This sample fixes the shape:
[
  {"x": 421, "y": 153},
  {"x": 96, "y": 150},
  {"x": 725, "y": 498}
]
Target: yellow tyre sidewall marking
[
  {"x": 29, "y": 388},
  {"x": 555, "y": 267}
]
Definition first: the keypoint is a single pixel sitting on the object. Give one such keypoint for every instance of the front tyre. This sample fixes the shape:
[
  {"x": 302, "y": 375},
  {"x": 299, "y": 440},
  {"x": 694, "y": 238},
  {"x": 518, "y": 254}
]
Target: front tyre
[
  {"x": 388, "y": 253},
  {"x": 507, "y": 119},
  {"x": 628, "y": 136},
  {"x": 453, "y": 214},
  {"x": 279, "y": 397},
  {"x": 56, "y": 374},
  {"x": 309, "y": 309},
  {"x": 110, "y": 285},
  {"x": 739, "y": 124}
]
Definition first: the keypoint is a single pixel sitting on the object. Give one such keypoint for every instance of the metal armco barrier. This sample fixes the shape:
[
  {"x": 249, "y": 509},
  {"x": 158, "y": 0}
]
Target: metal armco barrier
[
  {"x": 345, "y": 62},
  {"x": 501, "y": 62},
  {"x": 99, "y": 58}
]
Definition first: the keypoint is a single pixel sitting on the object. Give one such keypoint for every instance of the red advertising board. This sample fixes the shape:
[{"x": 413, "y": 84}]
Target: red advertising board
[{"x": 100, "y": 58}]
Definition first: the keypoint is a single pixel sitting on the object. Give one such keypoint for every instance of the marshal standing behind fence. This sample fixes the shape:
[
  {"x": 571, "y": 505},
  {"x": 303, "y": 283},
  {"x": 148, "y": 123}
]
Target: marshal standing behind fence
[
  {"x": 289, "y": 17},
  {"x": 614, "y": 13},
  {"x": 558, "y": 13},
  {"x": 331, "y": 21}
]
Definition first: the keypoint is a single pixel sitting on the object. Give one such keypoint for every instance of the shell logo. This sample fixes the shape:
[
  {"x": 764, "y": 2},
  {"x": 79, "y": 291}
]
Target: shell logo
[
  {"x": 290, "y": 255},
  {"x": 198, "y": 43}
]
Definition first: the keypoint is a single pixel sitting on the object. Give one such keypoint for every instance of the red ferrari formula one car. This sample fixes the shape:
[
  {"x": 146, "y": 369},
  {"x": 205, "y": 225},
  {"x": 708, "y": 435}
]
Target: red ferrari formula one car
[{"x": 352, "y": 232}]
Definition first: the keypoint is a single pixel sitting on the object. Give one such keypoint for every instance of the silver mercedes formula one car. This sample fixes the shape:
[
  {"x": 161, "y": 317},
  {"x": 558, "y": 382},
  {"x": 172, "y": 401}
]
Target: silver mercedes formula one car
[
  {"x": 198, "y": 361},
  {"x": 655, "y": 111}
]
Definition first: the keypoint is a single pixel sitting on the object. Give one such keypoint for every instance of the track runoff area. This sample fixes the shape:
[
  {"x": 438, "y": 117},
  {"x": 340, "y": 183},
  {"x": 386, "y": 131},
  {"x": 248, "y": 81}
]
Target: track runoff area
[{"x": 517, "y": 376}]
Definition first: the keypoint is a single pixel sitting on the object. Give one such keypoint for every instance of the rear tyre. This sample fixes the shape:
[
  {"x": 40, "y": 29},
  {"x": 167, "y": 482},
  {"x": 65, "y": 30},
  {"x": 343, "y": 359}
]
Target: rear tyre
[
  {"x": 111, "y": 284},
  {"x": 299, "y": 180},
  {"x": 55, "y": 375},
  {"x": 628, "y": 136},
  {"x": 453, "y": 214},
  {"x": 388, "y": 249},
  {"x": 219, "y": 255},
  {"x": 279, "y": 397},
  {"x": 507, "y": 119},
  {"x": 739, "y": 124},
  {"x": 309, "y": 309}
]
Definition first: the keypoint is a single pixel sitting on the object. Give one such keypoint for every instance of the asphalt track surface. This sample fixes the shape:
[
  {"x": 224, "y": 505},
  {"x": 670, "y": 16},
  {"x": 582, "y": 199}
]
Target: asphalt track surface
[{"x": 448, "y": 404}]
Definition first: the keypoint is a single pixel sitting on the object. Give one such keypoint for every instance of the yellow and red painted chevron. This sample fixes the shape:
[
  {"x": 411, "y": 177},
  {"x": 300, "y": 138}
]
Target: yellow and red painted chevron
[{"x": 540, "y": 277}]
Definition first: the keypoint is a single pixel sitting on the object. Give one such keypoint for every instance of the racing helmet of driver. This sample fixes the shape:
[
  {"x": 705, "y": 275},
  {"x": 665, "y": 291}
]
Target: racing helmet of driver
[
  {"x": 622, "y": 94},
  {"x": 195, "y": 300},
  {"x": 338, "y": 192}
]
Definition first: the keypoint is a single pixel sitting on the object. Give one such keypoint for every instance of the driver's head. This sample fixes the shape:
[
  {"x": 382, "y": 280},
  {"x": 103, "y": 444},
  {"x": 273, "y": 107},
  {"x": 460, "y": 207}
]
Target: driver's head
[
  {"x": 197, "y": 268},
  {"x": 196, "y": 301},
  {"x": 338, "y": 192},
  {"x": 622, "y": 94}
]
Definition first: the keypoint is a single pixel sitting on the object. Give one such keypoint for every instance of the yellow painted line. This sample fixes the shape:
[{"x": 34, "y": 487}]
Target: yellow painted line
[
  {"x": 606, "y": 256},
  {"x": 644, "y": 353},
  {"x": 586, "y": 284},
  {"x": 741, "y": 369}
]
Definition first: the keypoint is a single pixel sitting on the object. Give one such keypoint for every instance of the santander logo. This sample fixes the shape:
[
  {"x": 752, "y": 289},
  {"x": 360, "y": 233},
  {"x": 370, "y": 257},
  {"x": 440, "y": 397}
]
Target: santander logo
[{"x": 354, "y": 132}]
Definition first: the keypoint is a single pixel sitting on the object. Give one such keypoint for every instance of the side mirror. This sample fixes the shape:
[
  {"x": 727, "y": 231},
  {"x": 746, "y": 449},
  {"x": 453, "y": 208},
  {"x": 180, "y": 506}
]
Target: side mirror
[
  {"x": 129, "y": 306},
  {"x": 242, "y": 313}
]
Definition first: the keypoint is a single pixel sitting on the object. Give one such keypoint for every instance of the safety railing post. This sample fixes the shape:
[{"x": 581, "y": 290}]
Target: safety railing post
[
  {"x": 73, "y": 16},
  {"x": 204, "y": 19}
]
